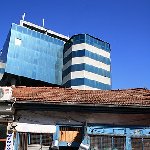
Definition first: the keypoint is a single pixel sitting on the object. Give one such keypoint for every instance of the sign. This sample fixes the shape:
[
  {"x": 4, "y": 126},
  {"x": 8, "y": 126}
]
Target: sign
[{"x": 9, "y": 142}]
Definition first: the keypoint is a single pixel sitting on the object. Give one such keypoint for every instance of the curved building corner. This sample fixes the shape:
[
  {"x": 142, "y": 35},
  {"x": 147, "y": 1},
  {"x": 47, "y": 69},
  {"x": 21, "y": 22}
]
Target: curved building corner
[{"x": 86, "y": 63}]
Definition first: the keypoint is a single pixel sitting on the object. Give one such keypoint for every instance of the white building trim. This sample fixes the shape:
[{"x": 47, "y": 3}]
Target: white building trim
[
  {"x": 84, "y": 87},
  {"x": 22, "y": 22},
  {"x": 87, "y": 75},
  {"x": 86, "y": 60},
  {"x": 88, "y": 47}
]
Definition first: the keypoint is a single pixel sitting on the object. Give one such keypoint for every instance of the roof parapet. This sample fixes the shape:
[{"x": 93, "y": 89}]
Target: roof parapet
[{"x": 43, "y": 30}]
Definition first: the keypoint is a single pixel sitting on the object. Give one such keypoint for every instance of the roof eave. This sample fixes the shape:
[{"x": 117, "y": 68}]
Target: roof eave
[{"x": 90, "y": 107}]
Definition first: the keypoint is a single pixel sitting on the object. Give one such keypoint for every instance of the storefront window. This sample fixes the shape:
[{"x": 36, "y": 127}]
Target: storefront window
[
  {"x": 35, "y": 140},
  {"x": 107, "y": 142}
]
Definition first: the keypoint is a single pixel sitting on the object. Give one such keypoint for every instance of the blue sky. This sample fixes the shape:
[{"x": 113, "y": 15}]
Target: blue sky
[{"x": 125, "y": 24}]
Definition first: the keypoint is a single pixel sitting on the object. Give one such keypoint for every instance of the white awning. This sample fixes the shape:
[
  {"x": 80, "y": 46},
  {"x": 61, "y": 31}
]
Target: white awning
[{"x": 35, "y": 128}]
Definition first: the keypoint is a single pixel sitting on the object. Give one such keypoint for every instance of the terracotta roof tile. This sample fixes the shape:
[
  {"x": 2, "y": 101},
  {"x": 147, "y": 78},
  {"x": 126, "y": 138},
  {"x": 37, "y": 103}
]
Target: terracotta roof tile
[{"x": 127, "y": 97}]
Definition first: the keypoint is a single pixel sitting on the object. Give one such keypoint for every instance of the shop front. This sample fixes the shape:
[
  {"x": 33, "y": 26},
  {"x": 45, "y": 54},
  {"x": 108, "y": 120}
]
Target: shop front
[
  {"x": 119, "y": 138},
  {"x": 33, "y": 136}
]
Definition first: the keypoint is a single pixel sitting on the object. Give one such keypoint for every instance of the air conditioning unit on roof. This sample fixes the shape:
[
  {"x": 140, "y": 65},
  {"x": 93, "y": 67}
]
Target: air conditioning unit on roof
[{"x": 5, "y": 93}]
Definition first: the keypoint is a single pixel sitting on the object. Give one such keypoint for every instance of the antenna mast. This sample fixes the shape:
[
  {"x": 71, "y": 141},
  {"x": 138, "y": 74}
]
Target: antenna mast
[
  {"x": 43, "y": 22},
  {"x": 23, "y": 16}
]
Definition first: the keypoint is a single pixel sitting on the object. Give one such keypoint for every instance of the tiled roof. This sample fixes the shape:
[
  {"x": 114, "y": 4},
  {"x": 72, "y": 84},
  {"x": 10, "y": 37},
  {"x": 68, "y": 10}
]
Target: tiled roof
[{"x": 129, "y": 97}]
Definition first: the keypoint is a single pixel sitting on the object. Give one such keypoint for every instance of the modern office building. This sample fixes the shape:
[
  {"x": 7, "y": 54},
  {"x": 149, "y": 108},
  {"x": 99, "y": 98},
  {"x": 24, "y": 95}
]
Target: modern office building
[
  {"x": 87, "y": 63},
  {"x": 33, "y": 52}
]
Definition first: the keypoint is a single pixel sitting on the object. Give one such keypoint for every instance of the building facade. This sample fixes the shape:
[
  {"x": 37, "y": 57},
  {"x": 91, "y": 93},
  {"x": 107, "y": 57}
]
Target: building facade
[
  {"x": 87, "y": 63},
  {"x": 34, "y": 52},
  {"x": 66, "y": 119}
]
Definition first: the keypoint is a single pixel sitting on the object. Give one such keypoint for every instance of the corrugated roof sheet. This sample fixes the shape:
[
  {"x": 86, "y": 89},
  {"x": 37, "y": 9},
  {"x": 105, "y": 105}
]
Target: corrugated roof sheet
[{"x": 135, "y": 97}]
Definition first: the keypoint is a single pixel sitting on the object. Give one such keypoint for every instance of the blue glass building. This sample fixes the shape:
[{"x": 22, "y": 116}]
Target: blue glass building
[
  {"x": 38, "y": 54},
  {"x": 34, "y": 52},
  {"x": 87, "y": 63}
]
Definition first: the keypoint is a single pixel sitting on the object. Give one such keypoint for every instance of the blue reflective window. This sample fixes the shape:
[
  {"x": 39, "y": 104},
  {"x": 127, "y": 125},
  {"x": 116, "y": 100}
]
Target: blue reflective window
[
  {"x": 107, "y": 47},
  {"x": 34, "y": 33},
  {"x": 19, "y": 28},
  {"x": 29, "y": 31},
  {"x": 14, "y": 26},
  {"x": 39, "y": 57},
  {"x": 24, "y": 30},
  {"x": 46, "y": 38},
  {"x": 42, "y": 36},
  {"x": 76, "y": 38},
  {"x": 82, "y": 36},
  {"x": 103, "y": 45},
  {"x": 38, "y": 35},
  {"x": 99, "y": 44}
]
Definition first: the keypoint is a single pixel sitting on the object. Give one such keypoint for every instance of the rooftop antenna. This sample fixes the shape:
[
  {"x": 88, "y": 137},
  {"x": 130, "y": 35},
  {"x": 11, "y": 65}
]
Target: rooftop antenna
[
  {"x": 43, "y": 22},
  {"x": 23, "y": 16}
]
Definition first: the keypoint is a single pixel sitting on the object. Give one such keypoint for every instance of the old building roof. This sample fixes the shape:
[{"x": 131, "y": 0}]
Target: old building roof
[{"x": 52, "y": 95}]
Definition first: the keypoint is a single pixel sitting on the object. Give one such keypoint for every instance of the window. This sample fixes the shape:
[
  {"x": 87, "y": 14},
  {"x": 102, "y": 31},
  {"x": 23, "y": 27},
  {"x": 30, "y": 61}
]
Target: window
[
  {"x": 140, "y": 143},
  {"x": 34, "y": 139},
  {"x": 44, "y": 139},
  {"x": 107, "y": 142}
]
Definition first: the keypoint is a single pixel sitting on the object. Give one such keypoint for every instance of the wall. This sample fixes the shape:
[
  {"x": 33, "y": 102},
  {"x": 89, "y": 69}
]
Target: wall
[
  {"x": 125, "y": 130},
  {"x": 33, "y": 55},
  {"x": 87, "y": 63},
  {"x": 79, "y": 118}
]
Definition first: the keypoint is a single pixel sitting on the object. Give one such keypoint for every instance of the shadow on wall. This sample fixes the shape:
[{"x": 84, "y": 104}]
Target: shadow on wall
[{"x": 10, "y": 79}]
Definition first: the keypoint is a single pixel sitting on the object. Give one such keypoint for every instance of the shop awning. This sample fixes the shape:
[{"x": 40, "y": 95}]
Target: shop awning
[{"x": 35, "y": 128}]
